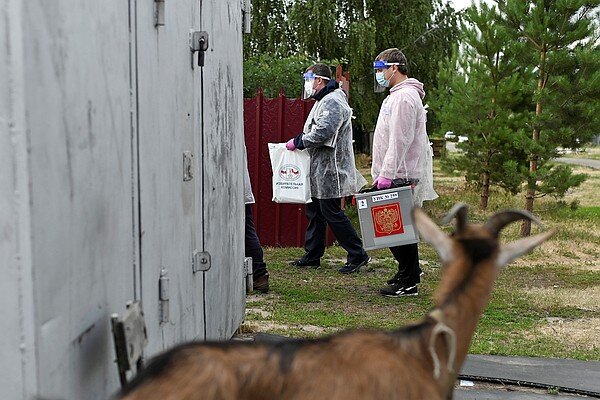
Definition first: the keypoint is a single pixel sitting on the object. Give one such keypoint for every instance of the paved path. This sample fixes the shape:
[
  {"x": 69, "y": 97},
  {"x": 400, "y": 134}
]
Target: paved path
[
  {"x": 552, "y": 372},
  {"x": 586, "y": 162},
  {"x": 579, "y": 161}
]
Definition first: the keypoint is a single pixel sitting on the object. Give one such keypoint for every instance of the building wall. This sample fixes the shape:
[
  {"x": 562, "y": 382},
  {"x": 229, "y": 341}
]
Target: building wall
[
  {"x": 102, "y": 104},
  {"x": 18, "y": 366}
]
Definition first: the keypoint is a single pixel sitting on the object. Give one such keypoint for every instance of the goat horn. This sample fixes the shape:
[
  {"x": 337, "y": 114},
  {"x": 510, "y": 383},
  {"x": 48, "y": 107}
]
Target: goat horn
[
  {"x": 501, "y": 219},
  {"x": 432, "y": 234},
  {"x": 510, "y": 251},
  {"x": 460, "y": 211}
]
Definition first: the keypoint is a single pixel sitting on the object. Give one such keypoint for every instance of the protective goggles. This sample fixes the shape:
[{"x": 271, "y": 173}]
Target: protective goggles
[
  {"x": 380, "y": 64},
  {"x": 308, "y": 76}
]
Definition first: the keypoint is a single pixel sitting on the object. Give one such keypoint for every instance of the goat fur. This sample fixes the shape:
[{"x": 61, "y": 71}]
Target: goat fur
[{"x": 420, "y": 361}]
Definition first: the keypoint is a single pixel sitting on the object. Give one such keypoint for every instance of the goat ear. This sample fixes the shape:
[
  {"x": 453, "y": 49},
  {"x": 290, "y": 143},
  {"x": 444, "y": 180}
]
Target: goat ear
[
  {"x": 433, "y": 234},
  {"x": 510, "y": 251}
]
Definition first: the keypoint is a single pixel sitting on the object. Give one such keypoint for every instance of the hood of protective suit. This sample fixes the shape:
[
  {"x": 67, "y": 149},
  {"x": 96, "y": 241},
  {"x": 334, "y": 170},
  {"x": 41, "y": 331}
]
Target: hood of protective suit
[{"x": 411, "y": 83}]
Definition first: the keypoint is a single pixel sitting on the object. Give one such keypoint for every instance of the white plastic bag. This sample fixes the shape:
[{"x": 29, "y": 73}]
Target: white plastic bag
[{"x": 291, "y": 174}]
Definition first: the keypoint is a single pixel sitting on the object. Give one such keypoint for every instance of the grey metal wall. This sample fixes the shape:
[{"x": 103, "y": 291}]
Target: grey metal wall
[
  {"x": 101, "y": 106},
  {"x": 17, "y": 345},
  {"x": 223, "y": 143}
]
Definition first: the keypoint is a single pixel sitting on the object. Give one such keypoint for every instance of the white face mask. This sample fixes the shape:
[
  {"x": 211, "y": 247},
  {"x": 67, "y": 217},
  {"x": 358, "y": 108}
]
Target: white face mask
[{"x": 309, "y": 90}]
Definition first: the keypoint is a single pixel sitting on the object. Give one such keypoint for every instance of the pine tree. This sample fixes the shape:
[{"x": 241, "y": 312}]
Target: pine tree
[
  {"x": 557, "y": 42},
  {"x": 483, "y": 100}
]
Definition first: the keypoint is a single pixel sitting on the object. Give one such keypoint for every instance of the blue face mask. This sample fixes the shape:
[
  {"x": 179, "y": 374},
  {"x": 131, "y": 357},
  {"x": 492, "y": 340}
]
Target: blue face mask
[{"x": 380, "y": 78}]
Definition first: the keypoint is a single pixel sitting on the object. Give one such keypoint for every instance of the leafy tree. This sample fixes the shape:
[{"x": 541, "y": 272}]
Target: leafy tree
[
  {"x": 558, "y": 46},
  {"x": 482, "y": 97},
  {"x": 423, "y": 29},
  {"x": 353, "y": 32},
  {"x": 273, "y": 74},
  {"x": 270, "y": 33},
  {"x": 360, "y": 60},
  {"x": 315, "y": 23}
]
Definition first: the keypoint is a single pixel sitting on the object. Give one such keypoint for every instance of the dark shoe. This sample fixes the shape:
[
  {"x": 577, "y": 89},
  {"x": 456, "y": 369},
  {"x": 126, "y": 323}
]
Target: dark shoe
[
  {"x": 302, "y": 262},
  {"x": 350, "y": 268},
  {"x": 399, "y": 290},
  {"x": 396, "y": 278},
  {"x": 261, "y": 284}
]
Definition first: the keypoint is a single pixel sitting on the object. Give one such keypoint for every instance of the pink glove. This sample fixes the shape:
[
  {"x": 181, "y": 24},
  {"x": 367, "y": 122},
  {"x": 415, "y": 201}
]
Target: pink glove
[
  {"x": 383, "y": 182},
  {"x": 290, "y": 145}
]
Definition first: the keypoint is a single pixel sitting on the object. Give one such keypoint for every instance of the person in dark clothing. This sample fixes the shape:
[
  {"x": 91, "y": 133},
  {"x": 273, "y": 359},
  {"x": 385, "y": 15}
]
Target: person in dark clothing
[
  {"x": 252, "y": 247},
  {"x": 327, "y": 135}
]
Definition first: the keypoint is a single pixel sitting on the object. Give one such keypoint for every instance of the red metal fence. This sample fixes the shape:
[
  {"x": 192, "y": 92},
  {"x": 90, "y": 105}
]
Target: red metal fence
[{"x": 273, "y": 121}]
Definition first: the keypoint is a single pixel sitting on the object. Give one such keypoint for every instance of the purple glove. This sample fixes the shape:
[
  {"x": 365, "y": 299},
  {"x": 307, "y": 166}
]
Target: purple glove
[
  {"x": 383, "y": 182},
  {"x": 290, "y": 145}
]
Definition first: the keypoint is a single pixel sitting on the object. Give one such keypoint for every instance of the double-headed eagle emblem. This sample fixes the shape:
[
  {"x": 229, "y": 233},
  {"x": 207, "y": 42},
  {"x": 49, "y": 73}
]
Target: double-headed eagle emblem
[{"x": 387, "y": 220}]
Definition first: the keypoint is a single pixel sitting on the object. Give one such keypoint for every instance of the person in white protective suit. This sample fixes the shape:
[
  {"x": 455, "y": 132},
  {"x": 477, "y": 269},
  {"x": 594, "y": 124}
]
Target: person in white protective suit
[
  {"x": 327, "y": 135},
  {"x": 402, "y": 155}
]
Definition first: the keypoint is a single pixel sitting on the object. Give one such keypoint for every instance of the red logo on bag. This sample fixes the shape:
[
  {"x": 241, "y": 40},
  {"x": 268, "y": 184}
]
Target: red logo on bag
[
  {"x": 289, "y": 172},
  {"x": 387, "y": 220}
]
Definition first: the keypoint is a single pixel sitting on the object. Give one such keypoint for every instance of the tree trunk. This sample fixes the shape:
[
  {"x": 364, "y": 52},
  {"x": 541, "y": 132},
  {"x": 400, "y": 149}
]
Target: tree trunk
[
  {"x": 533, "y": 162},
  {"x": 485, "y": 190},
  {"x": 526, "y": 224},
  {"x": 530, "y": 195}
]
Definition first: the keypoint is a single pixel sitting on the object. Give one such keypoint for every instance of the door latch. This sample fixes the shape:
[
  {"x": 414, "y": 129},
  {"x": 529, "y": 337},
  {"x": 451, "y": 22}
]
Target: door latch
[
  {"x": 198, "y": 43},
  {"x": 200, "y": 261}
]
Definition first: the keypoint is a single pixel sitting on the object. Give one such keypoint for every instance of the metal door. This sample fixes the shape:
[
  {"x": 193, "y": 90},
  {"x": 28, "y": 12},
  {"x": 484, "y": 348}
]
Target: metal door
[
  {"x": 76, "y": 91},
  {"x": 168, "y": 100},
  {"x": 222, "y": 167}
]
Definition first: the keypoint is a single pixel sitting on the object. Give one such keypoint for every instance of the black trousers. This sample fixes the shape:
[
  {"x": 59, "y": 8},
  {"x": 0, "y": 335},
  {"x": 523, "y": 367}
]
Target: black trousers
[
  {"x": 252, "y": 247},
  {"x": 407, "y": 256},
  {"x": 323, "y": 212}
]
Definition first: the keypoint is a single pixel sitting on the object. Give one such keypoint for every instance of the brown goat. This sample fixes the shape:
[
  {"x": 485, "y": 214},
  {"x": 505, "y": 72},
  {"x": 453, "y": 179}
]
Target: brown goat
[{"x": 415, "y": 362}]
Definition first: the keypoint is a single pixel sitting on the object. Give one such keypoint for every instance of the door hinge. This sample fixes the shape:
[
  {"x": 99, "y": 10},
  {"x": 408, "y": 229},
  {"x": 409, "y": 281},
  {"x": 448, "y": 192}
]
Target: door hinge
[
  {"x": 159, "y": 13},
  {"x": 200, "y": 261},
  {"x": 163, "y": 295},
  {"x": 188, "y": 166},
  {"x": 247, "y": 16},
  {"x": 248, "y": 271}
]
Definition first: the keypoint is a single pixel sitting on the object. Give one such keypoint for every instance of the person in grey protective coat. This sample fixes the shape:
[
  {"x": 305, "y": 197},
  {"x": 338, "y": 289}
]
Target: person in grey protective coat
[{"x": 327, "y": 135}]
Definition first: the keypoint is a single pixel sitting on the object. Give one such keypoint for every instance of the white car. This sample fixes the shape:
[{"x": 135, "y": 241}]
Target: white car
[
  {"x": 462, "y": 139},
  {"x": 449, "y": 135}
]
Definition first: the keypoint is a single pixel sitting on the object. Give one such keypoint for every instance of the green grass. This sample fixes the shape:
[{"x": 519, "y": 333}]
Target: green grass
[{"x": 307, "y": 303}]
